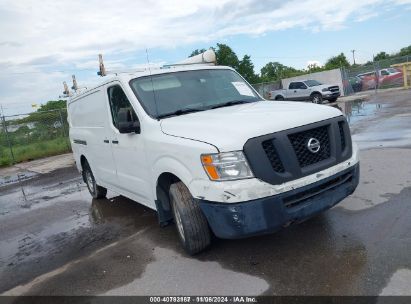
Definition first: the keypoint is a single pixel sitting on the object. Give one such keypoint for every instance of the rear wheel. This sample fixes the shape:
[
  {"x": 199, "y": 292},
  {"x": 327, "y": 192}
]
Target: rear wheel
[
  {"x": 279, "y": 98},
  {"x": 316, "y": 98},
  {"x": 95, "y": 190},
  {"x": 192, "y": 226}
]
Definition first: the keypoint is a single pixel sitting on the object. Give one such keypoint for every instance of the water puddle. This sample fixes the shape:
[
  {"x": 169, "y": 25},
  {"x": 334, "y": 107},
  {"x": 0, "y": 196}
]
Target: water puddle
[{"x": 355, "y": 111}]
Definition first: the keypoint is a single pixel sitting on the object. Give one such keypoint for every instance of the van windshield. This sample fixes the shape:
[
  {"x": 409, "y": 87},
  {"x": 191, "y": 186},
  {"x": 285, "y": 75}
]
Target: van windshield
[{"x": 178, "y": 93}]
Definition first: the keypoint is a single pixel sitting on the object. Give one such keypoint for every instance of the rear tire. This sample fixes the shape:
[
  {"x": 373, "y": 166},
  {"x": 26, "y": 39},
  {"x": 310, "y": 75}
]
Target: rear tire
[
  {"x": 280, "y": 98},
  {"x": 95, "y": 190},
  {"x": 191, "y": 224},
  {"x": 317, "y": 98}
]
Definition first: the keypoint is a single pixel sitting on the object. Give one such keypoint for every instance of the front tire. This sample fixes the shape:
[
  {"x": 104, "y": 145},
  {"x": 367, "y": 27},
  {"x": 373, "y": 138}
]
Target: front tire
[
  {"x": 191, "y": 224},
  {"x": 317, "y": 98},
  {"x": 95, "y": 190}
]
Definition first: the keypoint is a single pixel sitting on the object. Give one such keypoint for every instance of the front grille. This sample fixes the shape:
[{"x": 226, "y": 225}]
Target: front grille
[
  {"x": 342, "y": 136},
  {"x": 334, "y": 89},
  {"x": 272, "y": 155},
  {"x": 283, "y": 156},
  {"x": 300, "y": 140}
]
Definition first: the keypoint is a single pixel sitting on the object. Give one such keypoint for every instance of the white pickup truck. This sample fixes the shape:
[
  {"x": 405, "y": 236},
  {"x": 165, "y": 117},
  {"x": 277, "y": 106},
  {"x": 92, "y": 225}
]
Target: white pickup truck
[
  {"x": 311, "y": 90},
  {"x": 200, "y": 146}
]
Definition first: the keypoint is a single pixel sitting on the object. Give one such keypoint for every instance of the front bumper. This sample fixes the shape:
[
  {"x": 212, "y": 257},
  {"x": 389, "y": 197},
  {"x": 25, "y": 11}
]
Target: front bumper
[
  {"x": 331, "y": 95},
  {"x": 269, "y": 214}
]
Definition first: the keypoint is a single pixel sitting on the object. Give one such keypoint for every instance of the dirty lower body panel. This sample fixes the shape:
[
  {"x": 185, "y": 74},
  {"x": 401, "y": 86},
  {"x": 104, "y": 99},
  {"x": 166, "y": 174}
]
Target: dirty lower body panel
[{"x": 269, "y": 214}]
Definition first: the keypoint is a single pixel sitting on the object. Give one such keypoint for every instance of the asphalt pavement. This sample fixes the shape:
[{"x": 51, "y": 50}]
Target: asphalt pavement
[{"x": 56, "y": 240}]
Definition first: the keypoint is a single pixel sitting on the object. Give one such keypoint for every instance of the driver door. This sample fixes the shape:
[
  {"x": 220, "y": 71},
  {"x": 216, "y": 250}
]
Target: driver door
[
  {"x": 128, "y": 149},
  {"x": 302, "y": 91}
]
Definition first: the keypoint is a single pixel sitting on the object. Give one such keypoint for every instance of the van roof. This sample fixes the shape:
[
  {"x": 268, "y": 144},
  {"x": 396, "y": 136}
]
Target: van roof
[{"x": 126, "y": 76}]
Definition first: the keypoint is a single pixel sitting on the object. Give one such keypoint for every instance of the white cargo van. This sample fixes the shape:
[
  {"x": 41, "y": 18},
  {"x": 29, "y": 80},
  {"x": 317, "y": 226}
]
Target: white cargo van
[{"x": 198, "y": 144}]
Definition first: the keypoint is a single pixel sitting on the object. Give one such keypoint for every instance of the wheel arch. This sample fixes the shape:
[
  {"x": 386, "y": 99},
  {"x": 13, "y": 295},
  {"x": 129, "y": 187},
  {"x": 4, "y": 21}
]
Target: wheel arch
[
  {"x": 83, "y": 161},
  {"x": 163, "y": 205},
  {"x": 168, "y": 169},
  {"x": 315, "y": 92}
]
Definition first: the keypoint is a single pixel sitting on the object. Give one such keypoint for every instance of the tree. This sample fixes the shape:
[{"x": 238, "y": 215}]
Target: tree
[
  {"x": 337, "y": 62},
  {"x": 405, "y": 51},
  {"x": 52, "y": 105},
  {"x": 47, "y": 114},
  {"x": 197, "y": 52},
  {"x": 273, "y": 71},
  {"x": 381, "y": 56},
  {"x": 226, "y": 56},
  {"x": 246, "y": 69},
  {"x": 313, "y": 68}
]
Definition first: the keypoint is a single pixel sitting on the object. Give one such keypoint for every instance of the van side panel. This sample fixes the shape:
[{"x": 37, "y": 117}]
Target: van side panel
[
  {"x": 83, "y": 111},
  {"x": 88, "y": 134}
]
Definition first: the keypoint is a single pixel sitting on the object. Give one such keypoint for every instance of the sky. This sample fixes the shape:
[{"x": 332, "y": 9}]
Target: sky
[{"x": 42, "y": 43}]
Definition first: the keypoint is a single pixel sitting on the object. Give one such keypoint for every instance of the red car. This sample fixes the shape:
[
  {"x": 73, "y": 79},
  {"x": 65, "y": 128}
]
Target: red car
[{"x": 388, "y": 76}]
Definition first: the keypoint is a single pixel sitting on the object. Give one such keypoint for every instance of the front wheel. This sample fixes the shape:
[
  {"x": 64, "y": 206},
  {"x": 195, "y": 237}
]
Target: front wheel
[
  {"x": 192, "y": 226},
  {"x": 95, "y": 190},
  {"x": 317, "y": 98}
]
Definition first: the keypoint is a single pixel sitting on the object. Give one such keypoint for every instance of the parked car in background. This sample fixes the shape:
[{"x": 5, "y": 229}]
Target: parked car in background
[
  {"x": 390, "y": 76},
  {"x": 312, "y": 90},
  {"x": 368, "y": 80},
  {"x": 383, "y": 77},
  {"x": 355, "y": 83}
]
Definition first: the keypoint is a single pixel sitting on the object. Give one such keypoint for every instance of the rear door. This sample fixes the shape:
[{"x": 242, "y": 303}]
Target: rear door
[{"x": 128, "y": 149}]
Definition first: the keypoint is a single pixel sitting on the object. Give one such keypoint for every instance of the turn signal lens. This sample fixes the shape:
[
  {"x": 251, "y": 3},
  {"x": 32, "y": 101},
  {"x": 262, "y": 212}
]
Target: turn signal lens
[{"x": 226, "y": 166}]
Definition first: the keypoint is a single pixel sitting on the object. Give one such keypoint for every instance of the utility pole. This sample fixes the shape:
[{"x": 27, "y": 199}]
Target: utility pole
[{"x": 353, "y": 55}]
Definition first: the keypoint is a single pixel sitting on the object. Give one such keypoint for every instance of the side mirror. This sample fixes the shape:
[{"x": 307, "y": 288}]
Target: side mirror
[
  {"x": 125, "y": 122},
  {"x": 129, "y": 127}
]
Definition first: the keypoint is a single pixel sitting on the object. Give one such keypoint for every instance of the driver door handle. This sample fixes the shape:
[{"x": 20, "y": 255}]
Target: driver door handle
[{"x": 114, "y": 142}]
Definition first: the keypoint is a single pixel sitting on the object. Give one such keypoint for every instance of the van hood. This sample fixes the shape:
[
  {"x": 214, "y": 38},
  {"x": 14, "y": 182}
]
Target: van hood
[{"x": 229, "y": 128}]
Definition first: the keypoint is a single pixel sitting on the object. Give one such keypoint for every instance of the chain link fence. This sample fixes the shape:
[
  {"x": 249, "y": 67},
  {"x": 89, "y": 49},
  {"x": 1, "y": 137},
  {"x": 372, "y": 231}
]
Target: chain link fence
[
  {"x": 266, "y": 87},
  {"x": 377, "y": 75},
  {"x": 25, "y": 137}
]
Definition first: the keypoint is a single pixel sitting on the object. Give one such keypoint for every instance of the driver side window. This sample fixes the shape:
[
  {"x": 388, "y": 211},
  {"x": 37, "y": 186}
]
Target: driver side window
[
  {"x": 301, "y": 86},
  {"x": 119, "y": 102}
]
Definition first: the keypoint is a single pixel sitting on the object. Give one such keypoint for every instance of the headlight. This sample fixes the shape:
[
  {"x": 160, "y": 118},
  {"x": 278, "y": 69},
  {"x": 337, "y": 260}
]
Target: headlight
[
  {"x": 325, "y": 90},
  {"x": 226, "y": 166}
]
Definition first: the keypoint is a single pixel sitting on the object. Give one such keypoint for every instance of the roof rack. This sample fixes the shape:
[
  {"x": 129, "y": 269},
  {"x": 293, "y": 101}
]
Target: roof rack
[{"x": 206, "y": 58}]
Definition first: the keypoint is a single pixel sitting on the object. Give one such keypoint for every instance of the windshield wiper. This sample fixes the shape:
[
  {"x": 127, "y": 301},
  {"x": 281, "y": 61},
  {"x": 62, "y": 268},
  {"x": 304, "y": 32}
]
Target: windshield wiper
[
  {"x": 180, "y": 112},
  {"x": 232, "y": 103}
]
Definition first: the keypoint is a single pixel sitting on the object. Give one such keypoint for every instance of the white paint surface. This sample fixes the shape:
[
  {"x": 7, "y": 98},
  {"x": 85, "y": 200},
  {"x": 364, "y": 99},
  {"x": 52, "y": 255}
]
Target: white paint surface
[{"x": 399, "y": 284}]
